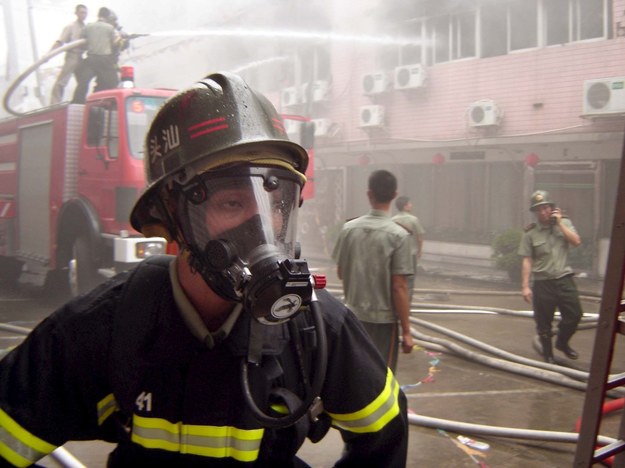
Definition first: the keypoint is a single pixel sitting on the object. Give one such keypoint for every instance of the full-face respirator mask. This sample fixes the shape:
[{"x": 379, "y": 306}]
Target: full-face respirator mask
[{"x": 239, "y": 225}]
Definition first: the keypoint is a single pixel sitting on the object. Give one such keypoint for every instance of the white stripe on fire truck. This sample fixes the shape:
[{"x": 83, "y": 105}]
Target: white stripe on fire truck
[
  {"x": 5, "y": 209},
  {"x": 7, "y": 167},
  {"x": 8, "y": 139}
]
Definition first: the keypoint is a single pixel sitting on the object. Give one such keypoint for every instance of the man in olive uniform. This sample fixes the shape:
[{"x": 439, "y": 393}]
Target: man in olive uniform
[
  {"x": 103, "y": 41},
  {"x": 411, "y": 223},
  {"x": 545, "y": 248},
  {"x": 373, "y": 261}
]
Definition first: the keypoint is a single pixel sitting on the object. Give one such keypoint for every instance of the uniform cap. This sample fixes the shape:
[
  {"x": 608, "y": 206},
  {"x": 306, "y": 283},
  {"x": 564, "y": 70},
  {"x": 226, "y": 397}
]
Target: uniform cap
[{"x": 540, "y": 197}]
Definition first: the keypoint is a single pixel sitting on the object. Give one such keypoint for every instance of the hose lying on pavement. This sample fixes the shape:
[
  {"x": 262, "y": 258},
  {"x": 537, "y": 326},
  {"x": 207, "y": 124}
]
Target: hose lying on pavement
[
  {"x": 463, "y": 309},
  {"x": 498, "y": 431},
  {"x": 535, "y": 369},
  {"x": 528, "y": 371},
  {"x": 527, "y": 367},
  {"x": 546, "y": 373},
  {"x": 567, "y": 371},
  {"x": 14, "y": 329},
  {"x": 555, "y": 376}
]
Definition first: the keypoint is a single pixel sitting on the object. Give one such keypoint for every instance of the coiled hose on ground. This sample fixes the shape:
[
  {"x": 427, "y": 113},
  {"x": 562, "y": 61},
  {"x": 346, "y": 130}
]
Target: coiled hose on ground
[{"x": 559, "y": 375}]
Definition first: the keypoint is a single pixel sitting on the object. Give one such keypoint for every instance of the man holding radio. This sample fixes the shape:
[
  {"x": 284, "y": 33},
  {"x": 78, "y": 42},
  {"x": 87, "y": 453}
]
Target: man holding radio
[{"x": 545, "y": 248}]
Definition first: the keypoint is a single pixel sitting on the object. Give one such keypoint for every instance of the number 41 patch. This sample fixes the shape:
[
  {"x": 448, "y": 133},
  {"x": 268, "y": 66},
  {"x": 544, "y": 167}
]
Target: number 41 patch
[{"x": 144, "y": 401}]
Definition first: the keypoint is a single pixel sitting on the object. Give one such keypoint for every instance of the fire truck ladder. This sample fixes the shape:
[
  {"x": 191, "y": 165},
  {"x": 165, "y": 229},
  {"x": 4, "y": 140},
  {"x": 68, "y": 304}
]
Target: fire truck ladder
[{"x": 611, "y": 323}]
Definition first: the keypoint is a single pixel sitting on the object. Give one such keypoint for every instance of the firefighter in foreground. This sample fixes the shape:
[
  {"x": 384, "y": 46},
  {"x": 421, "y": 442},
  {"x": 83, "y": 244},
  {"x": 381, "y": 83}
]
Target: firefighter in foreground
[{"x": 212, "y": 356}]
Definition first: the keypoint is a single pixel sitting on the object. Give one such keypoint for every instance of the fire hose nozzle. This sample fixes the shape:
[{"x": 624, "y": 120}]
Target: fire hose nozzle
[{"x": 134, "y": 36}]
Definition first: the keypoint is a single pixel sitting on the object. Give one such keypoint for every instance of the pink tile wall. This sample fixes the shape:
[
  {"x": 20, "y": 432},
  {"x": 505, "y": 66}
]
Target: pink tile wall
[{"x": 537, "y": 90}]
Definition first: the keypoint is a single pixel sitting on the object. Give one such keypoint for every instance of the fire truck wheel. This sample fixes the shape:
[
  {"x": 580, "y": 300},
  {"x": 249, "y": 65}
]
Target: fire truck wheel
[{"x": 83, "y": 272}]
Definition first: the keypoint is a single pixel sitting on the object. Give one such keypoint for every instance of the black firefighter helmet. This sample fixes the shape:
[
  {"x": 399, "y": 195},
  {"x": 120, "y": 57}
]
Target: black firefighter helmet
[{"x": 218, "y": 122}]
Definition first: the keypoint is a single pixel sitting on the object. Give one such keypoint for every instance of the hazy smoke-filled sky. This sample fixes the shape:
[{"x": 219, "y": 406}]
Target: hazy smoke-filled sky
[
  {"x": 50, "y": 16},
  {"x": 181, "y": 47}
]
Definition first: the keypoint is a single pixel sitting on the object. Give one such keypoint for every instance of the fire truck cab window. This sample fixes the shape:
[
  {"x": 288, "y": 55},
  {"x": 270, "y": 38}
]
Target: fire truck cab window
[
  {"x": 140, "y": 110},
  {"x": 103, "y": 127}
]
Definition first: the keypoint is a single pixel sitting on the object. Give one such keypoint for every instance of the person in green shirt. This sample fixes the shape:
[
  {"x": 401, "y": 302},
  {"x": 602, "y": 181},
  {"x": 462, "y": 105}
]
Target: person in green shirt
[
  {"x": 373, "y": 261},
  {"x": 410, "y": 223},
  {"x": 545, "y": 249}
]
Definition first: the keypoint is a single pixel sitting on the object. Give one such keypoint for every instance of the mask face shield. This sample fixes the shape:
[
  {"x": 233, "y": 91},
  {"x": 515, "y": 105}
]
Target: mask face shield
[
  {"x": 240, "y": 226},
  {"x": 254, "y": 207}
]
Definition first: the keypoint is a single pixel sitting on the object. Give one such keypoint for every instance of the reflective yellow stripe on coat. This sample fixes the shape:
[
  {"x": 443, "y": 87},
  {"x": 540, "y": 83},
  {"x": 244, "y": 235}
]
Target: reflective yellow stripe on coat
[
  {"x": 374, "y": 416},
  {"x": 206, "y": 441},
  {"x": 106, "y": 406},
  {"x": 18, "y": 446}
]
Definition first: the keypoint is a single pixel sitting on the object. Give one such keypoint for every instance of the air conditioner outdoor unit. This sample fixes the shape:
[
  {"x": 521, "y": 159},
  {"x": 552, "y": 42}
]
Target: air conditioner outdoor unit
[
  {"x": 289, "y": 96},
  {"x": 604, "y": 96},
  {"x": 484, "y": 113},
  {"x": 375, "y": 83},
  {"x": 410, "y": 76},
  {"x": 371, "y": 116}
]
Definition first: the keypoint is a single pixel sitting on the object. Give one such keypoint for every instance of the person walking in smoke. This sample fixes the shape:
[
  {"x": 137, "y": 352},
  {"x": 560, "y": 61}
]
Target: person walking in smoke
[
  {"x": 373, "y": 257},
  {"x": 219, "y": 356},
  {"x": 545, "y": 248},
  {"x": 72, "y": 32},
  {"x": 410, "y": 223}
]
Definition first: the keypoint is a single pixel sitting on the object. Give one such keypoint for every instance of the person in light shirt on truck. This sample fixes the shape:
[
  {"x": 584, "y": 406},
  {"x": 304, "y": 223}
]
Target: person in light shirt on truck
[
  {"x": 103, "y": 41},
  {"x": 72, "y": 32}
]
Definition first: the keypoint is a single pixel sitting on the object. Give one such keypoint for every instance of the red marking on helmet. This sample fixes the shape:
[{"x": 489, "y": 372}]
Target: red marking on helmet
[
  {"x": 278, "y": 124},
  {"x": 212, "y": 124},
  {"x": 186, "y": 100}
]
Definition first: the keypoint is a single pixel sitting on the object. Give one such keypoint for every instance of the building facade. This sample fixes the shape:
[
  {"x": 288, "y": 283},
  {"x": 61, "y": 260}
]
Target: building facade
[{"x": 473, "y": 104}]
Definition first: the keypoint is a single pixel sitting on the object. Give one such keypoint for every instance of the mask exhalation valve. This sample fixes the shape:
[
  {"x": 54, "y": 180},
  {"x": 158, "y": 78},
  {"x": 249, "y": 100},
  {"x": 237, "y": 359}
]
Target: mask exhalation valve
[{"x": 279, "y": 286}]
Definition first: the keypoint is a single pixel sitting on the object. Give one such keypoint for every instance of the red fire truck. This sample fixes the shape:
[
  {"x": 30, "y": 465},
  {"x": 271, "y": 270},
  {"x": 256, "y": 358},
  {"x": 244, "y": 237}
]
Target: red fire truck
[{"x": 69, "y": 175}]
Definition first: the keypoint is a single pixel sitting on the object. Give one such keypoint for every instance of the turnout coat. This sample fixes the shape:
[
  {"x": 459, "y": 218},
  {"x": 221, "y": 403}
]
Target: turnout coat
[{"x": 119, "y": 364}]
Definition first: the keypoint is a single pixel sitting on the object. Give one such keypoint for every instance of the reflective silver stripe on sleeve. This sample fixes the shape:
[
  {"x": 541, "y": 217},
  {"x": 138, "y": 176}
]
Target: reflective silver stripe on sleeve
[{"x": 18, "y": 446}]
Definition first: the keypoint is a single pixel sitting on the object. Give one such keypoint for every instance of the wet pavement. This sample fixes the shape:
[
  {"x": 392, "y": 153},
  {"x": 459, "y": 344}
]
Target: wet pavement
[
  {"x": 456, "y": 388},
  {"x": 463, "y": 389}
]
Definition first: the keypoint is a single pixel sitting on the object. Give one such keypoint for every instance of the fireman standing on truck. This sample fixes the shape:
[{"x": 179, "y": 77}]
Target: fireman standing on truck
[
  {"x": 103, "y": 41},
  {"x": 72, "y": 32},
  {"x": 219, "y": 356}
]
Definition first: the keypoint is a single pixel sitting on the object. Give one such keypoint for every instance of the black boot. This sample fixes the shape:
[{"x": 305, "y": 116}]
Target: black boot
[
  {"x": 547, "y": 348},
  {"x": 567, "y": 350}
]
